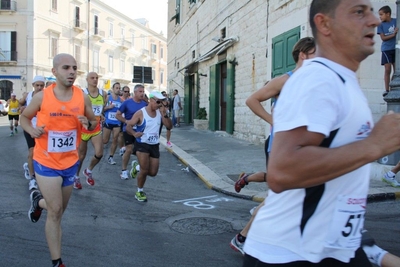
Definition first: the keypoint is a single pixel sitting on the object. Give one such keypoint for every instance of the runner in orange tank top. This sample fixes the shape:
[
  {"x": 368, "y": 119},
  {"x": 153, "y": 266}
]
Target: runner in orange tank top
[{"x": 61, "y": 110}]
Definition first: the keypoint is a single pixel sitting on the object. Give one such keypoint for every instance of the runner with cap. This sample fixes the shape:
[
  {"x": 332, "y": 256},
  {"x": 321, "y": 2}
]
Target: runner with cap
[
  {"x": 38, "y": 85},
  {"x": 147, "y": 123}
]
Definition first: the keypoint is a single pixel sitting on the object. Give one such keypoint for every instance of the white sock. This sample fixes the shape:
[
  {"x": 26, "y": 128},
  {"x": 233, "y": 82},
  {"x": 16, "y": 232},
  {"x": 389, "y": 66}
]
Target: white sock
[
  {"x": 375, "y": 254},
  {"x": 138, "y": 168},
  {"x": 140, "y": 189}
]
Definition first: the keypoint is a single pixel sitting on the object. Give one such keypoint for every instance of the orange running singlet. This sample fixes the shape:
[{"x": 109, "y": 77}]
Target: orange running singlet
[{"x": 57, "y": 148}]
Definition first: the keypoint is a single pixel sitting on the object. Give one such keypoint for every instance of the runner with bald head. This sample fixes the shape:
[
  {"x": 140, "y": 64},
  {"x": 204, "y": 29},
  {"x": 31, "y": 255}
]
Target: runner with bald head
[
  {"x": 98, "y": 98},
  {"x": 61, "y": 111}
]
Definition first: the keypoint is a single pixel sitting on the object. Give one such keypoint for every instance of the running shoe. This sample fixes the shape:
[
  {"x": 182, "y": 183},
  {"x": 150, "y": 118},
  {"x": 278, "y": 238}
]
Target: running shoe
[
  {"x": 122, "y": 151},
  {"x": 77, "y": 183},
  {"x": 26, "y": 171},
  {"x": 169, "y": 144},
  {"x": 390, "y": 180},
  {"x": 12, "y": 134},
  {"x": 241, "y": 182},
  {"x": 134, "y": 171},
  {"x": 236, "y": 245},
  {"x": 111, "y": 161},
  {"x": 124, "y": 175},
  {"x": 141, "y": 196},
  {"x": 89, "y": 177},
  {"x": 35, "y": 211},
  {"x": 16, "y": 130},
  {"x": 33, "y": 184}
]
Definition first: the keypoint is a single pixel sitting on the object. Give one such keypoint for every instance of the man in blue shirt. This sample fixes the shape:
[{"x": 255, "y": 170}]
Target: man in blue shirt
[
  {"x": 125, "y": 113},
  {"x": 387, "y": 30}
]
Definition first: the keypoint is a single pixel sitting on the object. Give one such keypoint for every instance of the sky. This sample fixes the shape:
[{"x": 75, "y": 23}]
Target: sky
[{"x": 155, "y": 11}]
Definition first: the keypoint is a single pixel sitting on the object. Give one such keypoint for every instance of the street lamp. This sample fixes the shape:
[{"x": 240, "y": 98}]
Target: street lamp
[{"x": 393, "y": 97}]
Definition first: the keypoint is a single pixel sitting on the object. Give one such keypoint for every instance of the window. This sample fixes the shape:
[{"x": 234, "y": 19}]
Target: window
[
  {"x": 176, "y": 17},
  {"x": 161, "y": 76},
  {"x": 54, "y": 46},
  {"x": 77, "y": 22},
  {"x": 96, "y": 61},
  {"x": 96, "y": 24},
  {"x": 122, "y": 33},
  {"x": 161, "y": 52},
  {"x": 144, "y": 46},
  {"x": 54, "y": 5},
  {"x": 110, "y": 63},
  {"x": 111, "y": 30},
  {"x": 77, "y": 55},
  {"x": 133, "y": 39},
  {"x": 8, "y": 46},
  {"x": 122, "y": 65},
  {"x": 154, "y": 48},
  {"x": 192, "y": 1},
  {"x": 223, "y": 33}
]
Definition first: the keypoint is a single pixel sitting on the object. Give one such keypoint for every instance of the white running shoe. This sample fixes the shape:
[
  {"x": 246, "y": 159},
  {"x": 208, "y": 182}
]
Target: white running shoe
[
  {"x": 33, "y": 184},
  {"x": 124, "y": 175},
  {"x": 122, "y": 151},
  {"x": 390, "y": 180},
  {"x": 111, "y": 161},
  {"x": 26, "y": 171}
]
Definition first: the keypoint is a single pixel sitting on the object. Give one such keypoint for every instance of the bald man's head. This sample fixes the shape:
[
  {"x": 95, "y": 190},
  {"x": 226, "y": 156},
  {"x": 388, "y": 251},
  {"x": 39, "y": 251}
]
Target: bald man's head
[{"x": 59, "y": 58}]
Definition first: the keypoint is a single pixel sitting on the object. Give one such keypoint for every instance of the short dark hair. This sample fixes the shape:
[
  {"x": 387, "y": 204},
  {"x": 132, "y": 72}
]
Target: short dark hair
[
  {"x": 386, "y": 9},
  {"x": 324, "y": 7},
  {"x": 115, "y": 84},
  {"x": 304, "y": 45}
]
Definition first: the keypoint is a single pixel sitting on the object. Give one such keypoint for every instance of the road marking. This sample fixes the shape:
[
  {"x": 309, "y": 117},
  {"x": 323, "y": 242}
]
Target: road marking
[{"x": 190, "y": 199}]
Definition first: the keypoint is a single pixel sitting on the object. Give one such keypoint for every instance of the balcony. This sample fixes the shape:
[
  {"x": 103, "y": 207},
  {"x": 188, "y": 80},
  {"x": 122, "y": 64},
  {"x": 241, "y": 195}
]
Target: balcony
[
  {"x": 79, "y": 26},
  {"x": 82, "y": 67},
  {"x": 8, "y": 57},
  {"x": 125, "y": 44},
  {"x": 153, "y": 57},
  {"x": 145, "y": 53},
  {"x": 97, "y": 34},
  {"x": 8, "y": 6}
]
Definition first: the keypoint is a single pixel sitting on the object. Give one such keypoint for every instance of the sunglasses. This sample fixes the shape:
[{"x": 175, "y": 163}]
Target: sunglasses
[
  {"x": 126, "y": 91},
  {"x": 157, "y": 101}
]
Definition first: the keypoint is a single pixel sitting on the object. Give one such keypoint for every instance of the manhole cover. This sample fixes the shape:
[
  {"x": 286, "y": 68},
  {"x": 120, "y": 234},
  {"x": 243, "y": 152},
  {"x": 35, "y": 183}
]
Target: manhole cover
[{"x": 201, "y": 226}]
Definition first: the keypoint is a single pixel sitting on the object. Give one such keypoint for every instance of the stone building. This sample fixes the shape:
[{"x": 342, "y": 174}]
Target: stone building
[
  {"x": 100, "y": 38},
  {"x": 220, "y": 52}
]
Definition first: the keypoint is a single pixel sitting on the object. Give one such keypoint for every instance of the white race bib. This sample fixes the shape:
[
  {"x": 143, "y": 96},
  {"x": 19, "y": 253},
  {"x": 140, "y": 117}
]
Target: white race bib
[
  {"x": 111, "y": 116},
  {"x": 97, "y": 109},
  {"x": 61, "y": 141},
  {"x": 14, "y": 110},
  {"x": 151, "y": 138},
  {"x": 347, "y": 223}
]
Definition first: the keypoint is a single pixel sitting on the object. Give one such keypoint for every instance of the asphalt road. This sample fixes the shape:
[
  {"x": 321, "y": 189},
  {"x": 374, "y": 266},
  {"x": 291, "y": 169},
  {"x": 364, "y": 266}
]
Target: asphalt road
[{"x": 183, "y": 223}]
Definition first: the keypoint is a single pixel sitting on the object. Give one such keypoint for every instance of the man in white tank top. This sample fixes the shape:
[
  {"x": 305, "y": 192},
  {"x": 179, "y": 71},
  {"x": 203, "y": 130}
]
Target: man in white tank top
[{"x": 144, "y": 126}]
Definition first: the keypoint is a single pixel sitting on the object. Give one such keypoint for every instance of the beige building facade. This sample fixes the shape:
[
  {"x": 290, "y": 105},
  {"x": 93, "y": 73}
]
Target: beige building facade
[
  {"x": 99, "y": 37},
  {"x": 220, "y": 52}
]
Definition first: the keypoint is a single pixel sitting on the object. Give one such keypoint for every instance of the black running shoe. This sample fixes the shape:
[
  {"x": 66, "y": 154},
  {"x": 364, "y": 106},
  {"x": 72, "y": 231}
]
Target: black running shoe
[{"x": 35, "y": 211}]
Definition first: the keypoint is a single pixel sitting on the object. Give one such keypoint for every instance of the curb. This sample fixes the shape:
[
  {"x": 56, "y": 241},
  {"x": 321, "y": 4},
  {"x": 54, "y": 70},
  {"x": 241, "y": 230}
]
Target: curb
[{"x": 191, "y": 162}]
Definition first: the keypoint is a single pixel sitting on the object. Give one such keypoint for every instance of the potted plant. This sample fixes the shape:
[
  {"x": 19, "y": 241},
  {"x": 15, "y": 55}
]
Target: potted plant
[{"x": 201, "y": 122}]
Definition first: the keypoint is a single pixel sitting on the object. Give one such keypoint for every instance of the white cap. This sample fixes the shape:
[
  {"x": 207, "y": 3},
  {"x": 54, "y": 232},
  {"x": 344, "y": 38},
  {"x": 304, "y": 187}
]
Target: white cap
[
  {"x": 39, "y": 78},
  {"x": 13, "y": 94},
  {"x": 157, "y": 95}
]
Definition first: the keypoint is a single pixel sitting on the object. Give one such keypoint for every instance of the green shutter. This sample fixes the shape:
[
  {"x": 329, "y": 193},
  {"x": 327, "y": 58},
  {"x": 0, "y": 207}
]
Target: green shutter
[
  {"x": 213, "y": 115},
  {"x": 187, "y": 101},
  {"x": 230, "y": 98},
  {"x": 282, "y": 46}
]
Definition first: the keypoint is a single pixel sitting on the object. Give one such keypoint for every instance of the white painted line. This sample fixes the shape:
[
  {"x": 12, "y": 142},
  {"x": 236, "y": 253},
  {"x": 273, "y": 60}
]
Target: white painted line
[{"x": 190, "y": 199}]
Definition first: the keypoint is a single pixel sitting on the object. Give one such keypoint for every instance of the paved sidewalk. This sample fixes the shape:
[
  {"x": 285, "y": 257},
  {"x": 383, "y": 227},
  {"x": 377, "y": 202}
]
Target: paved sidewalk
[{"x": 218, "y": 158}]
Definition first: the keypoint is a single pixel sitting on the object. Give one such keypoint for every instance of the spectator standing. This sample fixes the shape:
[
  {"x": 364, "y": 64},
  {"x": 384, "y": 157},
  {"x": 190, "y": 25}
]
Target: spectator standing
[
  {"x": 387, "y": 30},
  {"x": 177, "y": 107}
]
